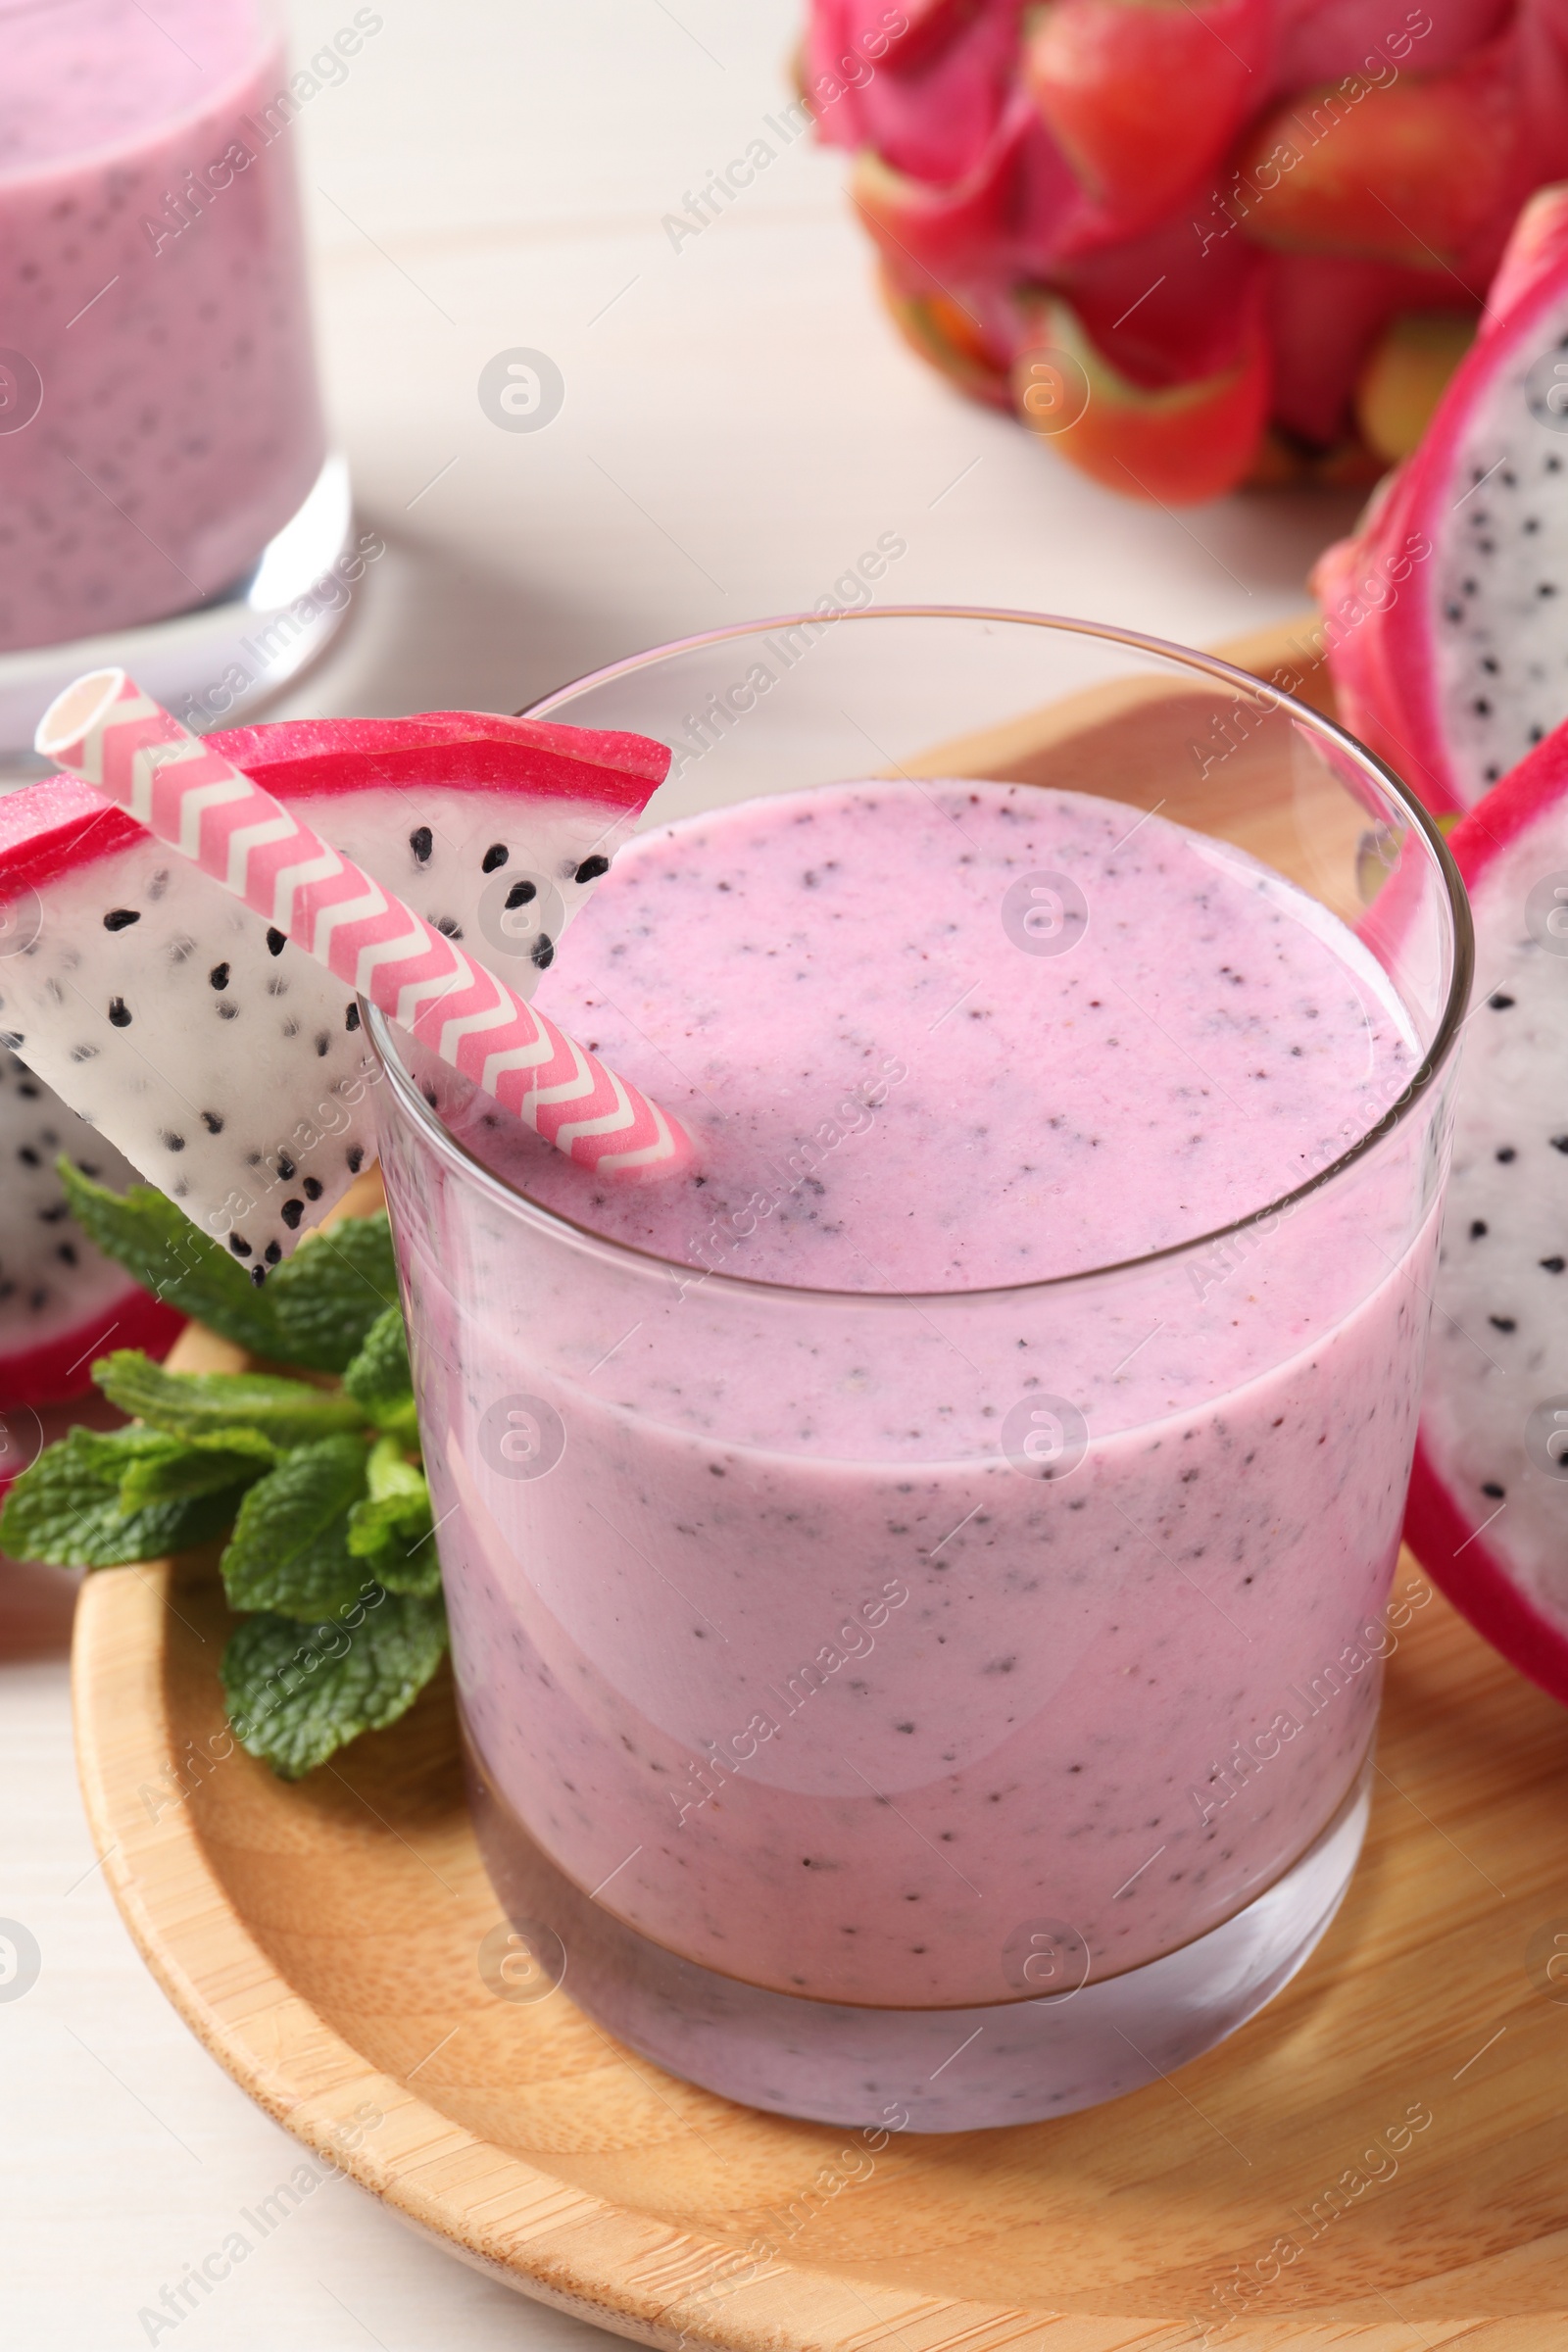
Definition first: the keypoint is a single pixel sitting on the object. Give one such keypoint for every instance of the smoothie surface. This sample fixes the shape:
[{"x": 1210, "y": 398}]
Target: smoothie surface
[{"x": 895, "y": 1083}]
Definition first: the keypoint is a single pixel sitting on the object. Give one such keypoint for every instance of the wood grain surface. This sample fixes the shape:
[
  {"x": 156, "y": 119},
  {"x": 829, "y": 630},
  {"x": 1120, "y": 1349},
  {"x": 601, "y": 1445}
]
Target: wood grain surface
[{"x": 1381, "y": 2158}]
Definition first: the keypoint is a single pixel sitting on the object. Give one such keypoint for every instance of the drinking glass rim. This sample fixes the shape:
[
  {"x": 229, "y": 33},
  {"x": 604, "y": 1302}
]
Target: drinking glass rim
[{"x": 1426, "y": 1075}]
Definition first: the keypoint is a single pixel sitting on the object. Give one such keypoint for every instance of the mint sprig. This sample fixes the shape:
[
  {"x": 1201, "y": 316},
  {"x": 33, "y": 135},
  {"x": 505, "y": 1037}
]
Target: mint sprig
[{"x": 315, "y": 1489}]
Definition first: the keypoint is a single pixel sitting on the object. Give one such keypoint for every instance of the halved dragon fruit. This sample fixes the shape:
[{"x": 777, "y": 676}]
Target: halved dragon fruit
[
  {"x": 225, "y": 1064},
  {"x": 1448, "y": 614},
  {"x": 62, "y": 1301},
  {"x": 1488, "y": 1500}
]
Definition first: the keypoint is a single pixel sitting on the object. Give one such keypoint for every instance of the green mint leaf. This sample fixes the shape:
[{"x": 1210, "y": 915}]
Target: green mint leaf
[
  {"x": 379, "y": 1379},
  {"x": 156, "y": 1243},
  {"x": 390, "y": 1478},
  {"x": 326, "y": 1296},
  {"x": 289, "y": 1552},
  {"x": 390, "y": 1529},
  {"x": 399, "y": 1555},
  {"x": 296, "y": 1695},
  {"x": 67, "y": 1510},
  {"x": 230, "y": 1458},
  {"x": 190, "y": 1404}
]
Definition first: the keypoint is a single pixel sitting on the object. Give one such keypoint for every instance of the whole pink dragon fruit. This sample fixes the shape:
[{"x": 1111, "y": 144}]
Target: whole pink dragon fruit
[{"x": 1194, "y": 242}]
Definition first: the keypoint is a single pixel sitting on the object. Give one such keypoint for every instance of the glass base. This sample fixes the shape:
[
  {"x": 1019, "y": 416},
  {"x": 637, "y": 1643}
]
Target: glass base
[
  {"x": 267, "y": 627},
  {"x": 945, "y": 2070}
]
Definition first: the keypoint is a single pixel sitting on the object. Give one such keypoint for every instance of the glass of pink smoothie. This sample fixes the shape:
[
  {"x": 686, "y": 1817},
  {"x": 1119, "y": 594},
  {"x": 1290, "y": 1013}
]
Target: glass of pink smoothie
[
  {"x": 159, "y": 419},
  {"x": 917, "y": 1585}
]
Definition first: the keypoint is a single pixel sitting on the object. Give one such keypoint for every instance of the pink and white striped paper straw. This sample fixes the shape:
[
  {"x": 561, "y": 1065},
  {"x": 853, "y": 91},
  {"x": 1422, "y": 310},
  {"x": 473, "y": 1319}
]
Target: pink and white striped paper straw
[{"x": 105, "y": 730}]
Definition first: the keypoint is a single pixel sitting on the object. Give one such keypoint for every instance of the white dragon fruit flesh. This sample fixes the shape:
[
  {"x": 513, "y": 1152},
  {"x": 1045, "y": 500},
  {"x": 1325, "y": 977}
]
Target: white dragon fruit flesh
[
  {"x": 1446, "y": 615},
  {"x": 62, "y": 1301},
  {"x": 227, "y": 1065},
  {"x": 1489, "y": 1499}
]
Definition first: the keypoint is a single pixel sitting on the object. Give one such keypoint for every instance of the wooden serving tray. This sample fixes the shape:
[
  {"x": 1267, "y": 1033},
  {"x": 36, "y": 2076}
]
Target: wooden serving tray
[{"x": 1381, "y": 2158}]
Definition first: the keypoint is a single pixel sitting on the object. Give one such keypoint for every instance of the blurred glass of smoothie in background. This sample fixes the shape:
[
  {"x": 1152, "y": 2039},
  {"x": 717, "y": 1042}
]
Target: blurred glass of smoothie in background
[{"x": 158, "y": 417}]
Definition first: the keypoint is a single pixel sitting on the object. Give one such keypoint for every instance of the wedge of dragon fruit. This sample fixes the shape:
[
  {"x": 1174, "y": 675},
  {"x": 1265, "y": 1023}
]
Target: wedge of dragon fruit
[
  {"x": 1447, "y": 615},
  {"x": 227, "y": 1065},
  {"x": 1487, "y": 1513},
  {"x": 62, "y": 1301}
]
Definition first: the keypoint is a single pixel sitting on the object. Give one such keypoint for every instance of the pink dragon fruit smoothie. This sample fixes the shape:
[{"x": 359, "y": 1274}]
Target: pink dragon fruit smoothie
[
  {"x": 159, "y": 419},
  {"x": 855, "y": 1613}
]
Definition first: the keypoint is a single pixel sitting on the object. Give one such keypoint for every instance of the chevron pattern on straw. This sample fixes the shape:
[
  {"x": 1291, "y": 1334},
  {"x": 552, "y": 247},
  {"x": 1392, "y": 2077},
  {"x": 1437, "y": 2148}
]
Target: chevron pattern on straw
[{"x": 107, "y": 731}]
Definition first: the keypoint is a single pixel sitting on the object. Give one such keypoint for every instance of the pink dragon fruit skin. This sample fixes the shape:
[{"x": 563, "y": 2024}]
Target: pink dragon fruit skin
[
  {"x": 925, "y": 86},
  {"x": 1486, "y": 1518},
  {"x": 1197, "y": 317},
  {"x": 1144, "y": 102},
  {"x": 1325, "y": 308},
  {"x": 1321, "y": 40},
  {"x": 1452, "y": 675},
  {"x": 1009, "y": 155}
]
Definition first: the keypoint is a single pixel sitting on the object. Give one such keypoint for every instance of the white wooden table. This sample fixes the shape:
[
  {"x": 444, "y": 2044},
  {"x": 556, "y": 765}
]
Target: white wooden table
[{"x": 739, "y": 421}]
